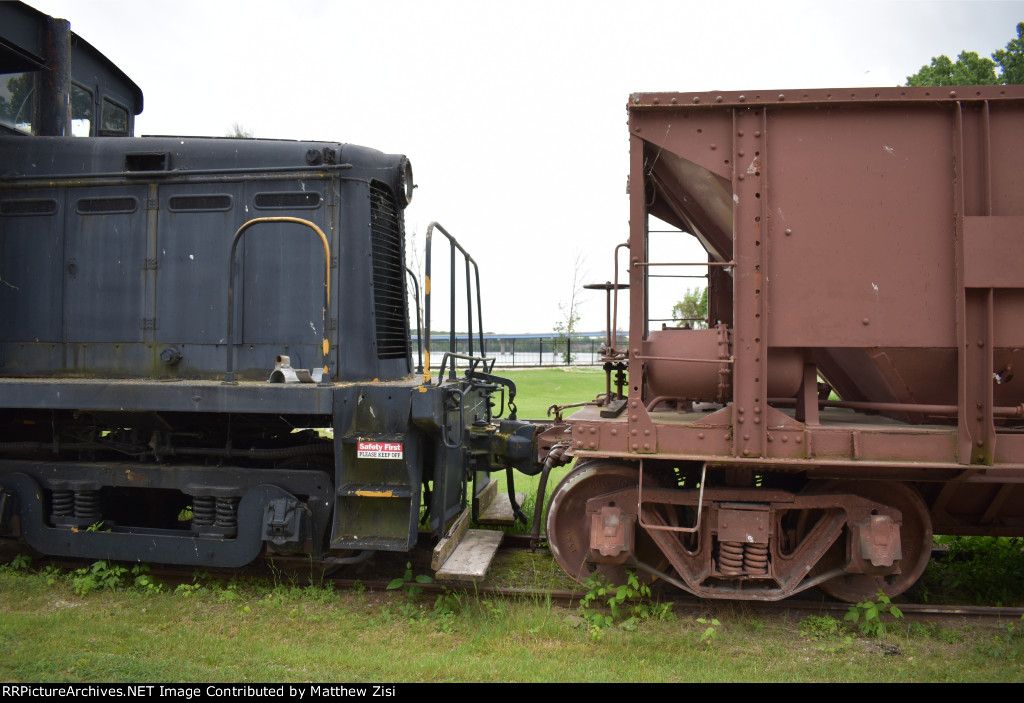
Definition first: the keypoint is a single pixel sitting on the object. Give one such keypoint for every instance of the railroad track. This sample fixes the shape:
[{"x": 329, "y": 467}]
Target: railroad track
[{"x": 386, "y": 566}]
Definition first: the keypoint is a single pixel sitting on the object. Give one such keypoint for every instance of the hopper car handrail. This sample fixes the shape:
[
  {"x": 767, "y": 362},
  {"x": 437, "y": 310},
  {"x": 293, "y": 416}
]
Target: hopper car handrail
[
  {"x": 229, "y": 377},
  {"x": 724, "y": 264},
  {"x": 669, "y": 528},
  {"x": 453, "y": 245}
]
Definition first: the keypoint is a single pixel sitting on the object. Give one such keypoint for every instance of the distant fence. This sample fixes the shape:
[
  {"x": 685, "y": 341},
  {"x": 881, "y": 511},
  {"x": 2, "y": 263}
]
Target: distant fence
[{"x": 524, "y": 349}]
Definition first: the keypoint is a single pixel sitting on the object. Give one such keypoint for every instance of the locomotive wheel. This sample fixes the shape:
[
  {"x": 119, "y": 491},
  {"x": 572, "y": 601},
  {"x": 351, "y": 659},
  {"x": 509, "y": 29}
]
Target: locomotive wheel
[
  {"x": 568, "y": 527},
  {"x": 915, "y": 537}
]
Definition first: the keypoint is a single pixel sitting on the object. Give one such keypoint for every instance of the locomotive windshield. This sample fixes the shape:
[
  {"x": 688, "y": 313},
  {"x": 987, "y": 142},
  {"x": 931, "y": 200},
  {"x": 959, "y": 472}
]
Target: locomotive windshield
[{"x": 19, "y": 106}]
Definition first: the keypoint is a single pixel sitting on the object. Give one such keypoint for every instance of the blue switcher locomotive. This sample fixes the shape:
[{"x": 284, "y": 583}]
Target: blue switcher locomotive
[{"x": 205, "y": 352}]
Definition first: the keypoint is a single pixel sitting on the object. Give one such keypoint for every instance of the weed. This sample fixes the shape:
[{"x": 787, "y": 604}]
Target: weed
[
  {"x": 185, "y": 514},
  {"x": 867, "y": 615},
  {"x": 820, "y": 627},
  {"x": 51, "y": 574},
  {"x": 407, "y": 579},
  {"x": 1005, "y": 644},
  {"x": 144, "y": 582},
  {"x": 498, "y": 609},
  {"x": 410, "y": 611},
  {"x": 229, "y": 593},
  {"x": 934, "y": 632},
  {"x": 187, "y": 590},
  {"x": 102, "y": 574},
  {"x": 628, "y": 604},
  {"x": 826, "y": 630},
  {"x": 319, "y": 593},
  {"x": 710, "y": 633},
  {"x": 21, "y": 562},
  {"x": 446, "y": 607}
]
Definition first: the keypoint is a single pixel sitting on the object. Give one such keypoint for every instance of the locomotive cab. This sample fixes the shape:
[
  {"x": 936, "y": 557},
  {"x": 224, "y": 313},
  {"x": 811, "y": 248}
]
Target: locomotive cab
[{"x": 54, "y": 83}]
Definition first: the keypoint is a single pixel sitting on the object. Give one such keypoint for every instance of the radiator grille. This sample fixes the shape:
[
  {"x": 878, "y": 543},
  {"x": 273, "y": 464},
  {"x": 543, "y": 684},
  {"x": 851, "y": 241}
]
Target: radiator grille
[{"x": 386, "y": 231}]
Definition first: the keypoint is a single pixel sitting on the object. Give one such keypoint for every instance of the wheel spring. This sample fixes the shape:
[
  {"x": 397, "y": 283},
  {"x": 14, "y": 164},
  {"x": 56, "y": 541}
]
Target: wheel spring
[
  {"x": 87, "y": 505},
  {"x": 730, "y": 558},
  {"x": 739, "y": 559},
  {"x": 202, "y": 510},
  {"x": 227, "y": 512},
  {"x": 62, "y": 504},
  {"x": 755, "y": 559}
]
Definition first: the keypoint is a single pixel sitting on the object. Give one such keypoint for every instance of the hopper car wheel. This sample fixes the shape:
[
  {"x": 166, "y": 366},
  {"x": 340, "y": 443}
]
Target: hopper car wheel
[
  {"x": 568, "y": 528},
  {"x": 915, "y": 538}
]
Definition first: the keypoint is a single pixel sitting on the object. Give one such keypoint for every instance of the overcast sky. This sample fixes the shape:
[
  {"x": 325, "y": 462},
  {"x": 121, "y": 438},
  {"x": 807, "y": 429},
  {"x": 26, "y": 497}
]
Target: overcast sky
[{"x": 513, "y": 113}]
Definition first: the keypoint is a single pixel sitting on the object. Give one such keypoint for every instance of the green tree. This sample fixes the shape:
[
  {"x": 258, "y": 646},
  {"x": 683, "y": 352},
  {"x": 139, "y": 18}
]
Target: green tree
[
  {"x": 568, "y": 323},
  {"x": 15, "y": 98},
  {"x": 1011, "y": 59},
  {"x": 969, "y": 69},
  {"x": 972, "y": 69},
  {"x": 692, "y": 310},
  {"x": 238, "y": 131}
]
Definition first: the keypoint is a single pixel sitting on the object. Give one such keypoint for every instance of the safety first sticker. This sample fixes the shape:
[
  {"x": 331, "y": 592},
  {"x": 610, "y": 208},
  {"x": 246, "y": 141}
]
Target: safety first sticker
[{"x": 379, "y": 450}]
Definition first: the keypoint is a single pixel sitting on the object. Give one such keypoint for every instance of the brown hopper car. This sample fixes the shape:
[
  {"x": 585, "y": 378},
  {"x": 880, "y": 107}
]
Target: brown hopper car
[{"x": 853, "y": 391}]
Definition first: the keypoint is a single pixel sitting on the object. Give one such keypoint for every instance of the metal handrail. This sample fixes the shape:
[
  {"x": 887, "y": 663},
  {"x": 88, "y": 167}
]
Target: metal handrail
[
  {"x": 454, "y": 244},
  {"x": 419, "y": 322},
  {"x": 229, "y": 376},
  {"x": 669, "y": 528}
]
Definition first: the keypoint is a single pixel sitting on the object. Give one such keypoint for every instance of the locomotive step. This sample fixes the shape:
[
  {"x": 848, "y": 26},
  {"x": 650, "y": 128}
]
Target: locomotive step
[
  {"x": 499, "y": 512},
  {"x": 465, "y": 554},
  {"x": 492, "y": 507},
  {"x": 472, "y": 558}
]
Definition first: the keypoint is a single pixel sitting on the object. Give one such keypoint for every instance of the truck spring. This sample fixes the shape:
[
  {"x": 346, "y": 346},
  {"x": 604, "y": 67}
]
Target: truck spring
[
  {"x": 227, "y": 512},
  {"x": 87, "y": 505},
  {"x": 62, "y": 504},
  {"x": 202, "y": 511},
  {"x": 755, "y": 559},
  {"x": 730, "y": 558}
]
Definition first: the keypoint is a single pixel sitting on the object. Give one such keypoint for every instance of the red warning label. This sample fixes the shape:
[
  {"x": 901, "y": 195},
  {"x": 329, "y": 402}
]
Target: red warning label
[{"x": 379, "y": 450}]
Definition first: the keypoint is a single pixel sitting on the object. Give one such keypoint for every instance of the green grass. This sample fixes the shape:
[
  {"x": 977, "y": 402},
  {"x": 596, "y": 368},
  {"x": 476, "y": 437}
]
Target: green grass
[
  {"x": 538, "y": 389},
  {"x": 259, "y": 631}
]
